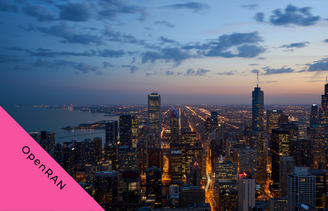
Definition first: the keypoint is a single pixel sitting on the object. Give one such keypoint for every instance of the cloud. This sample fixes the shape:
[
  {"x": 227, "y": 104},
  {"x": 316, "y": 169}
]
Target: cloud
[
  {"x": 107, "y": 64},
  {"x": 148, "y": 74},
  {"x": 326, "y": 40},
  {"x": 126, "y": 65},
  {"x": 133, "y": 60},
  {"x": 321, "y": 65},
  {"x": 253, "y": 64},
  {"x": 269, "y": 71},
  {"x": 168, "y": 73},
  {"x": 148, "y": 28},
  {"x": 179, "y": 73},
  {"x": 259, "y": 17},
  {"x": 199, "y": 72},
  {"x": 9, "y": 59},
  {"x": 295, "y": 45},
  {"x": 22, "y": 67},
  {"x": 39, "y": 12},
  {"x": 55, "y": 64},
  {"x": 168, "y": 54},
  {"x": 133, "y": 69},
  {"x": 100, "y": 73},
  {"x": 232, "y": 72},
  {"x": 118, "y": 36},
  {"x": 84, "y": 67},
  {"x": 165, "y": 23},
  {"x": 250, "y": 6},
  {"x": 255, "y": 71},
  {"x": 224, "y": 42},
  {"x": 63, "y": 31},
  {"x": 113, "y": 8},
  {"x": 111, "y": 53},
  {"x": 293, "y": 16},
  {"x": 75, "y": 12},
  {"x": 190, "y": 5},
  {"x": 6, "y": 7},
  {"x": 166, "y": 40}
]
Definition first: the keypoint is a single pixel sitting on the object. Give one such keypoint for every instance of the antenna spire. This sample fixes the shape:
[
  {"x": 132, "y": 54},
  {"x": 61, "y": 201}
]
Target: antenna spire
[{"x": 257, "y": 79}]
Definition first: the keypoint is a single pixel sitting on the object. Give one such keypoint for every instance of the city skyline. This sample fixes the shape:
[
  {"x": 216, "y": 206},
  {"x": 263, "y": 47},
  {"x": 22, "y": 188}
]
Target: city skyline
[{"x": 117, "y": 52}]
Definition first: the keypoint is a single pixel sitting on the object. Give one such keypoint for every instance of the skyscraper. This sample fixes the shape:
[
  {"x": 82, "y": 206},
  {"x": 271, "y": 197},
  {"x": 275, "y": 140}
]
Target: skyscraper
[
  {"x": 154, "y": 120},
  {"x": 106, "y": 187},
  {"x": 154, "y": 184},
  {"x": 272, "y": 120},
  {"x": 317, "y": 136},
  {"x": 111, "y": 130},
  {"x": 314, "y": 115},
  {"x": 174, "y": 126},
  {"x": 246, "y": 191},
  {"x": 323, "y": 111},
  {"x": 135, "y": 132},
  {"x": 126, "y": 130},
  {"x": 286, "y": 167},
  {"x": 257, "y": 109},
  {"x": 247, "y": 160}
]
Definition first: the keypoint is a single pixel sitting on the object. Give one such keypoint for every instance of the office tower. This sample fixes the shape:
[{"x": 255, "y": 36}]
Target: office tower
[
  {"x": 135, "y": 132},
  {"x": 106, "y": 187},
  {"x": 278, "y": 204},
  {"x": 111, "y": 130},
  {"x": 282, "y": 120},
  {"x": 189, "y": 138},
  {"x": 247, "y": 160},
  {"x": 314, "y": 115},
  {"x": 154, "y": 120},
  {"x": 261, "y": 160},
  {"x": 127, "y": 161},
  {"x": 226, "y": 185},
  {"x": 280, "y": 147},
  {"x": 302, "y": 129},
  {"x": 194, "y": 177},
  {"x": 155, "y": 157},
  {"x": 98, "y": 148},
  {"x": 142, "y": 156},
  {"x": 246, "y": 191},
  {"x": 176, "y": 163},
  {"x": 69, "y": 160},
  {"x": 154, "y": 185},
  {"x": 300, "y": 187},
  {"x": 191, "y": 194},
  {"x": 90, "y": 172},
  {"x": 89, "y": 151},
  {"x": 200, "y": 154},
  {"x": 286, "y": 167},
  {"x": 323, "y": 111},
  {"x": 272, "y": 120},
  {"x": 182, "y": 148},
  {"x": 110, "y": 154},
  {"x": 317, "y": 136},
  {"x": 321, "y": 177},
  {"x": 214, "y": 120},
  {"x": 35, "y": 136},
  {"x": 131, "y": 186},
  {"x": 48, "y": 140},
  {"x": 126, "y": 130},
  {"x": 292, "y": 127},
  {"x": 257, "y": 109},
  {"x": 174, "y": 126}
]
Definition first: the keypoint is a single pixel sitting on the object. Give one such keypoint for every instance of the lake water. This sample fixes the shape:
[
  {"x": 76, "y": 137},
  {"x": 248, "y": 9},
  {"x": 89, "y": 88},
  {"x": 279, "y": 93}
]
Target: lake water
[{"x": 38, "y": 118}]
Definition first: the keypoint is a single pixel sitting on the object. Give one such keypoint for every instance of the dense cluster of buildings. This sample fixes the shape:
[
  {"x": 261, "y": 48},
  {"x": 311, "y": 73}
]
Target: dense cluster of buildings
[{"x": 276, "y": 164}]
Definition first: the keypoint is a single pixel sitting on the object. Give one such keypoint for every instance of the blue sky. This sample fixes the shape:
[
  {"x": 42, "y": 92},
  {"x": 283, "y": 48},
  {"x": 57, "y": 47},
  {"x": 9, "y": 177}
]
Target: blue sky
[{"x": 118, "y": 52}]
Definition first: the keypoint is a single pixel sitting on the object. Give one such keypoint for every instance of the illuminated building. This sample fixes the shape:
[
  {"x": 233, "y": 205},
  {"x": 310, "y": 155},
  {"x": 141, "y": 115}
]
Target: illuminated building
[
  {"x": 182, "y": 148},
  {"x": 106, "y": 187},
  {"x": 301, "y": 188},
  {"x": 282, "y": 120},
  {"x": 189, "y": 138},
  {"x": 69, "y": 160},
  {"x": 131, "y": 186},
  {"x": 257, "y": 109},
  {"x": 247, "y": 160},
  {"x": 110, "y": 154},
  {"x": 154, "y": 185},
  {"x": 214, "y": 120},
  {"x": 280, "y": 148},
  {"x": 278, "y": 204},
  {"x": 272, "y": 120},
  {"x": 127, "y": 161},
  {"x": 35, "y": 136},
  {"x": 246, "y": 191},
  {"x": 292, "y": 127},
  {"x": 111, "y": 130},
  {"x": 98, "y": 148},
  {"x": 135, "y": 130},
  {"x": 47, "y": 140},
  {"x": 142, "y": 156},
  {"x": 314, "y": 115},
  {"x": 261, "y": 160},
  {"x": 126, "y": 130},
  {"x": 286, "y": 167},
  {"x": 194, "y": 176},
  {"x": 154, "y": 120},
  {"x": 199, "y": 153},
  {"x": 174, "y": 126},
  {"x": 89, "y": 151},
  {"x": 191, "y": 194},
  {"x": 302, "y": 129},
  {"x": 321, "y": 177},
  {"x": 323, "y": 111},
  {"x": 155, "y": 157},
  {"x": 176, "y": 163},
  {"x": 317, "y": 136}
]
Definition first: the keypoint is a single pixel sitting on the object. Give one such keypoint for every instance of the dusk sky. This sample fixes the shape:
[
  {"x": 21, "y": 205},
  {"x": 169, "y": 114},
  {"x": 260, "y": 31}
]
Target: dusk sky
[{"x": 118, "y": 52}]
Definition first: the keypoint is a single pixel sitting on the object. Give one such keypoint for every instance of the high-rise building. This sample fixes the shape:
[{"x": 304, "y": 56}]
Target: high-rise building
[
  {"x": 174, "y": 126},
  {"x": 278, "y": 204},
  {"x": 111, "y": 130},
  {"x": 272, "y": 120},
  {"x": 135, "y": 132},
  {"x": 286, "y": 167},
  {"x": 155, "y": 157},
  {"x": 154, "y": 120},
  {"x": 261, "y": 159},
  {"x": 47, "y": 140},
  {"x": 191, "y": 194},
  {"x": 301, "y": 188},
  {"x": 110, "y": 154},
  {"x": 247, "y": 160},
  {"x": 154, "y": 184},
  {"x": 214, "y": 120},
  {"x": 189, "y": 138},
  {"x": 69, "y": 160},
  {"x": 257, "y": 109},
  {"x": 126, "y": 130},
  {"x": 321, "y": 177},
  {"x": 280, "y": 147},
  {"x": 142, "y": 156},
  {"x": 323, "y": 111},
  {"x": 89, "y": 151},
  {"x": 131, "y": 186},
  {"x": 317, "y": 136},
  {"x": 176, "y": 163},
  {"x": 314, "y": 115},
  {"x": 246, "y": 191},
  {"x": 98, "y": 148},
  {"x": 106, "y": 187}
]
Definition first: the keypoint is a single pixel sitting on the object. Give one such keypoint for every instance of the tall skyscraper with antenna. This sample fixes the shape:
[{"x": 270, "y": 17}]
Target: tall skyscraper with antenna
[
  {"x": 257, "y": 108},
  {"x": 323, "y": 112},
  {"x": 154, "y": 120}
]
